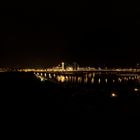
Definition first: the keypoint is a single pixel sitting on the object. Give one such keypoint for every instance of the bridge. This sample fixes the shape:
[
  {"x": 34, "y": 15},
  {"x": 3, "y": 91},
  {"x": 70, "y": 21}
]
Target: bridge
[
  {"x": 86, "y": 71},
  {"x": 130, "y": 70},
  {"x": 83, "y": 74},
  {"x": 126, "y": 73},
  {"x": 86, "y": 75}
]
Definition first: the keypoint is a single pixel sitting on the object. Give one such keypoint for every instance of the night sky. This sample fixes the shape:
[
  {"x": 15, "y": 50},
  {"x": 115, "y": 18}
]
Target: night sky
[{"x": 91, "y": 34}]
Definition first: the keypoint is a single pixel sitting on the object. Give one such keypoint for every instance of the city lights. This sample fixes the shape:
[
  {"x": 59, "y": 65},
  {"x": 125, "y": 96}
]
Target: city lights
[
  {"x": 136, "y": 89},
  {"x": 113, "y": 94}
]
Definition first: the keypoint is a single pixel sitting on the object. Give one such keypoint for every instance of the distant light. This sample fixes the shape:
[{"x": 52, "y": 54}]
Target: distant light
[
  {"x": 136, "y": 89},
  {"x": 99, "y": 80},
  {"x": 70, "y": 69},
  {"x": 62, "y": 79},
  {"x": 113, "y": 94},
  {"x": 50, "y": 76},
  {"x": 92, "y": 80}
]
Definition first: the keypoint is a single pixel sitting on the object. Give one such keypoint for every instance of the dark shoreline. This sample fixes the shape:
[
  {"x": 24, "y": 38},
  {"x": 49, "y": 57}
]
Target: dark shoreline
[{"x": 25, "y": 95}]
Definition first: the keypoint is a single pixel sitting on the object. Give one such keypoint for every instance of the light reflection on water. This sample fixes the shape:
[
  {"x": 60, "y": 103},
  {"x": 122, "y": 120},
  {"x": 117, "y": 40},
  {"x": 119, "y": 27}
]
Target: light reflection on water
[
  {"x": 97, "y": 81},
  {"x": 92, "y": 80},
  {"x": 88, "y": 78}
]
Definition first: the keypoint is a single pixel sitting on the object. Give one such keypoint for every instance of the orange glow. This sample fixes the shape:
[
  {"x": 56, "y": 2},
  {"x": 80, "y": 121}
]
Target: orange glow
[{"x": 62, "y": 78}]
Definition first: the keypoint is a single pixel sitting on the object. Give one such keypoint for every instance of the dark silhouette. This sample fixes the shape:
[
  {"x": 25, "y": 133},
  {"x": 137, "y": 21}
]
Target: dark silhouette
[{"x": 25, "y": 96}]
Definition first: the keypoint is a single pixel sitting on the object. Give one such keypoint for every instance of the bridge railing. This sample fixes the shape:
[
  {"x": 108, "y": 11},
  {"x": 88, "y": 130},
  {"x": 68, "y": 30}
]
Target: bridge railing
[{"x": 80, "y": 70}]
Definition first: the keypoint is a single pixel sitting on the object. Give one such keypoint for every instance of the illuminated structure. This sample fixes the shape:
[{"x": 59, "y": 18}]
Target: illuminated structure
[
  {"x": 75, "y": 68},
  {"x": 63, "y": 66}
]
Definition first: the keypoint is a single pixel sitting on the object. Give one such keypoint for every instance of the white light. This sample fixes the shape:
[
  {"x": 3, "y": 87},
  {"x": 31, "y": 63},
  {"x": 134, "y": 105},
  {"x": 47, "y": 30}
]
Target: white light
[
  {"x": 42, "y": 79},
  {"x": 113, "y": 94},
  {"x": 99, "y": 81},
  {"x": 92, "y": 80},
  {"x": 50, "y": 76},
  {"x": 136, "y": 89}
]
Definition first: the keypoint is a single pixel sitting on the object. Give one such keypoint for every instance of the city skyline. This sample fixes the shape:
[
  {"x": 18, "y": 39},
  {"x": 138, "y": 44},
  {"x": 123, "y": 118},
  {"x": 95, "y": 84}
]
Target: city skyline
[{"x": 64, "y": 66}]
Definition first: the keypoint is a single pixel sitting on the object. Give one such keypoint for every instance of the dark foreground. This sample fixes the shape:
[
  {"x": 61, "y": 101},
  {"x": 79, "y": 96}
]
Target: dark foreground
[{"x": 24, "y": 97}]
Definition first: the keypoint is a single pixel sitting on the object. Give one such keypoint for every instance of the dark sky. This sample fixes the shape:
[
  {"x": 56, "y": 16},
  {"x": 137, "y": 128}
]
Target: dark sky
[{"x": 90, "y": 33}]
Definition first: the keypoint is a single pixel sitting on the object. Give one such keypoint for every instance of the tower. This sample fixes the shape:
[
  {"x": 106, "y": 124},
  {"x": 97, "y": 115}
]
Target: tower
[{"x": 63, "y": 65}]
